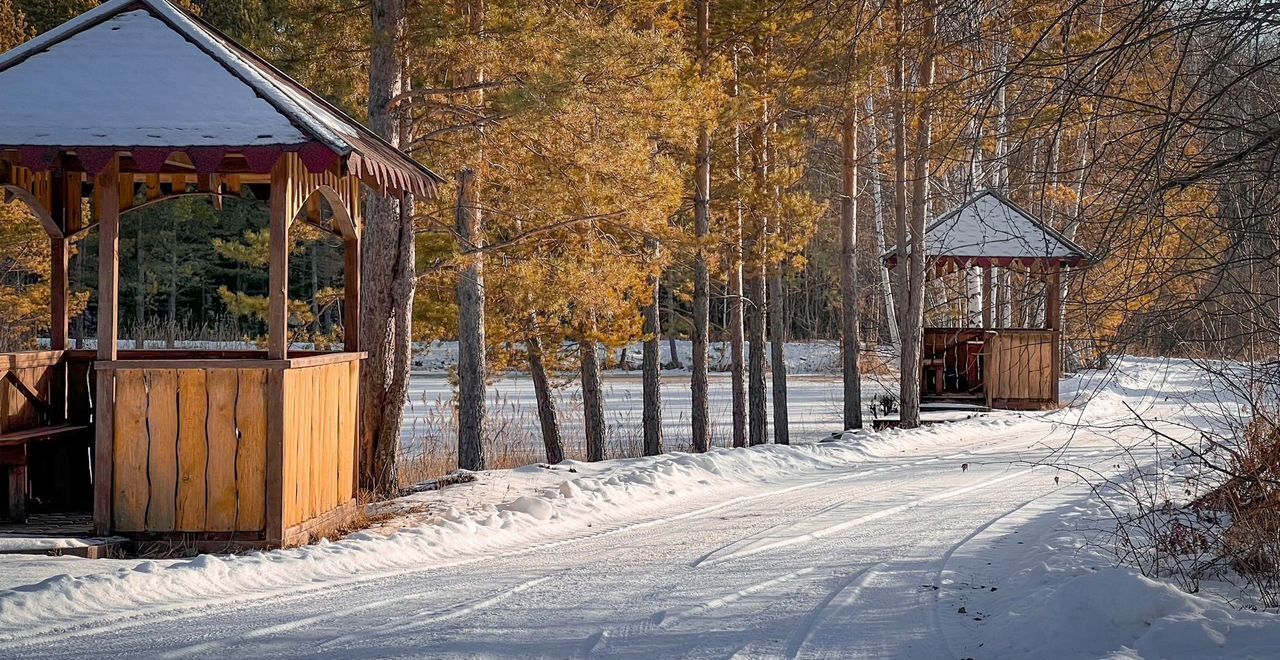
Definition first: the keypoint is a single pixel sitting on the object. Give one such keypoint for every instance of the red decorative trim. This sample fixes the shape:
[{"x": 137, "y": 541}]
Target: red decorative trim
[
  {"x": 95, "y": 159},
  {"x": 150, "y": 159},
  {"x": 208, "y": 160},
  {"x": 261, "y": 159},
  {"x": 38, "y": 159},
  {"x": 317, "y": 157}
]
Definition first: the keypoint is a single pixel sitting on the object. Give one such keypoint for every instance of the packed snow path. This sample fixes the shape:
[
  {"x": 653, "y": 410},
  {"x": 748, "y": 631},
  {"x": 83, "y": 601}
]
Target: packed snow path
[
  {"x": 859, "y": 548},
  {"x": 833, "y": 563}
]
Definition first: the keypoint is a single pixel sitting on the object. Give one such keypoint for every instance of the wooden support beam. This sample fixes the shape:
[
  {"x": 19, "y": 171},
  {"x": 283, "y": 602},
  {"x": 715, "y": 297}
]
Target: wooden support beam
[
  {"x": 282, "y": 210},
  {"x": 107, "y": 193},
  {"x": 274, "y": 495}
]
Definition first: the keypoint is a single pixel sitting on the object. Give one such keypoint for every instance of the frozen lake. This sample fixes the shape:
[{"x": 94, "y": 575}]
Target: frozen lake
[{"x": 814, "y": 404}]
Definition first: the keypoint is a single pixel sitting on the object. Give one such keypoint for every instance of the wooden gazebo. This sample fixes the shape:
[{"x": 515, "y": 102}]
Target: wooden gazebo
[
  {"x": 1002, "y": 367},
  {"x": 137, "y": 101}
]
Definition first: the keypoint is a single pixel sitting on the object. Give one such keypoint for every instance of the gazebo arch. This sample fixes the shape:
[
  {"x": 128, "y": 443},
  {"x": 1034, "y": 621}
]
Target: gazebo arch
[
  {"x": 214, "y": 447},
  {"x": 38, "y": 210}
]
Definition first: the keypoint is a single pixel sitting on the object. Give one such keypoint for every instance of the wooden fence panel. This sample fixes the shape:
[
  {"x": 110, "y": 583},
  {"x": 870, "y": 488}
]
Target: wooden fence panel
[
  {"x": 320, "y": 439},
  {"x": 1021, "y": 369},
  {"x": 193, "y": 449},
  {"x": 162, "y": 459},
  {"x": 251, "y": 455},
  {"x": 190, "y": 450},
  {"x": 220, "y": 493},
  {"x": 130, "y": 446}
]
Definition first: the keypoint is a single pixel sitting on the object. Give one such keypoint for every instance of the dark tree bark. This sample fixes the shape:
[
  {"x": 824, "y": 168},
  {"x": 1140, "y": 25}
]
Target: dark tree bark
[
  {"x": 912, "y": 280},
  {"x": 701, "y": 274},
  {"x": 471, "y": 349},
  {"x": 592, "y": 399},
  {"x": 756, "y": 319},
  {"x": 548, "y": 418},
  {"x": 672, "y": 345},
  {"x": 850, "y": 343},
  {"x": 387, "y": 284},
  {"x": 651, "y": 377}
]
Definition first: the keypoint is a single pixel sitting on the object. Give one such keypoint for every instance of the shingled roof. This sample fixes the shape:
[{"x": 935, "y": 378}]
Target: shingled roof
[
  {"x": 989, "y": 230},
  {"x": 144, "y": 75}
]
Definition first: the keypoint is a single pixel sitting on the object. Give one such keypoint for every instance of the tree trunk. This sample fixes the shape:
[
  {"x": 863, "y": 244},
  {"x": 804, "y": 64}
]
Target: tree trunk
[
  {"x": 592, "y": 399},
  {"x": 877, "y": 197},
  {"x": 737, "y": 351},
  {"x": 548, "y": 419},
  {"x": 850, "y": 343},
  {"x": 756, "y": 320},
  {"x": 651, "y": 373},
  {"x": 672, "y": 345},
  {"x": 387, "y": 284},
  {"x": 701, "y": 276},
  {"x": 909, "y": 356},
  {"x": 471, "y": 349},
  {"x": 913, "y": 319},
  {"x": 778, "y": 362}
]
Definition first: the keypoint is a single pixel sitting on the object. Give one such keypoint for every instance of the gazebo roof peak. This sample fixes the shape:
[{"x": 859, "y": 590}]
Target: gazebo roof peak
[
  {"x": 146, "y": 75},
  {"x": 989, "y": 229}
]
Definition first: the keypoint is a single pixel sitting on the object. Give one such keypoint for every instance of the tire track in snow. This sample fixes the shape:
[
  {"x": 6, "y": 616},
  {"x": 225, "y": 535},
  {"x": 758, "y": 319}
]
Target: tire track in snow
[
  {"x": 846, "y": 591},
  {"x": 665, "y": 619},
  {"x": 752, "y": 548},
  {"x": 426, "y": 618}
]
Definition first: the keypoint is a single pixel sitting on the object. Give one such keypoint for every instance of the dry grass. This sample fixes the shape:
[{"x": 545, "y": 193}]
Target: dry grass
[
  {"x": 1251, "y": 497},
  {"x": 513, "y": 437}
]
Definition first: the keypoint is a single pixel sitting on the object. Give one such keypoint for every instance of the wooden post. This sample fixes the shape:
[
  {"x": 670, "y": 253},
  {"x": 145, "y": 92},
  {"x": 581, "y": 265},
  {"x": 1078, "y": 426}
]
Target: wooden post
[
  {"x": 278, "y": 285},
  {"x": 351, "y": 294},
  {"x": 58, "y": 293},
  {"x": 986, "y": 298},
  {"x": 274, "y": 495},
  {"x": 1053, "y": 321},
  {"x": 107, "y": 192}
]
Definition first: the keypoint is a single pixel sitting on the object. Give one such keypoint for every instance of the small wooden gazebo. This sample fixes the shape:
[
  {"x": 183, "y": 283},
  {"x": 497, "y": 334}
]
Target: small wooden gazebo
[
  {"x": 996, "y": 366},
  {"x": 137, "y": 101}
]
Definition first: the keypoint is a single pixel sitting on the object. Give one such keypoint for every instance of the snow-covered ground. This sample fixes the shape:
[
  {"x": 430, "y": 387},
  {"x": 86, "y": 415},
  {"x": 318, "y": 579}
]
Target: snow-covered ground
[
  {"x": 803, "y": 357},
  {"x": 876, "y": 545},
  {"x": 813, "y": 405}
]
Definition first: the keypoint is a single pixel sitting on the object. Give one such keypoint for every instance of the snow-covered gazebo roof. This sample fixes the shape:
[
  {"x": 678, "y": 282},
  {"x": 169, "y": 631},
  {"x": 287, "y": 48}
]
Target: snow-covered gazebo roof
[
  {"x": 989, "y": 230},
  {"x": 146, "y": 77}
]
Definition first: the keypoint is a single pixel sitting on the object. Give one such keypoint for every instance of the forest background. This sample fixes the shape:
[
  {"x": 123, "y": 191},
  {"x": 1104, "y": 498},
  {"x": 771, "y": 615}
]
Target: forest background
[{"x": 731, "y": 171}]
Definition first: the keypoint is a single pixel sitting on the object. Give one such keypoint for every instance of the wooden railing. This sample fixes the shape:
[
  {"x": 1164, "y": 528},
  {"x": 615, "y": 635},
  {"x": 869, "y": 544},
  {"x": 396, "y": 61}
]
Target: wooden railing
[
  {"x": 232, "y": 446},
  {"x": 320, "y": 432},
  {"x": 1021, "y": 369},
  {"x": 190, "y": 449},
  {"x": 29, "y": 389}
]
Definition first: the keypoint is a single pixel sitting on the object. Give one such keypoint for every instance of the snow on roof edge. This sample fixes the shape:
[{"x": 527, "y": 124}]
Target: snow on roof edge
[
  {"x": 78, "y": 24},
  {"x": 1070, "y": 245},
  {"x": 281, "y": 94}
]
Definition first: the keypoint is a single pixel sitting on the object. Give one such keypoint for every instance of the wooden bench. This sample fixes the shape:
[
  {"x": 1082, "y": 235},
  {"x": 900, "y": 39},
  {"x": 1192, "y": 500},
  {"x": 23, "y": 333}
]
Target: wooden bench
[{"x": 14, "y": 455}]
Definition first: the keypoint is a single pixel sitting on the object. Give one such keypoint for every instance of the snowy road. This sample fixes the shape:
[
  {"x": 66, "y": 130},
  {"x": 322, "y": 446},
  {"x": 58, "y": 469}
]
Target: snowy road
[{"x": 833, "y": 563}]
